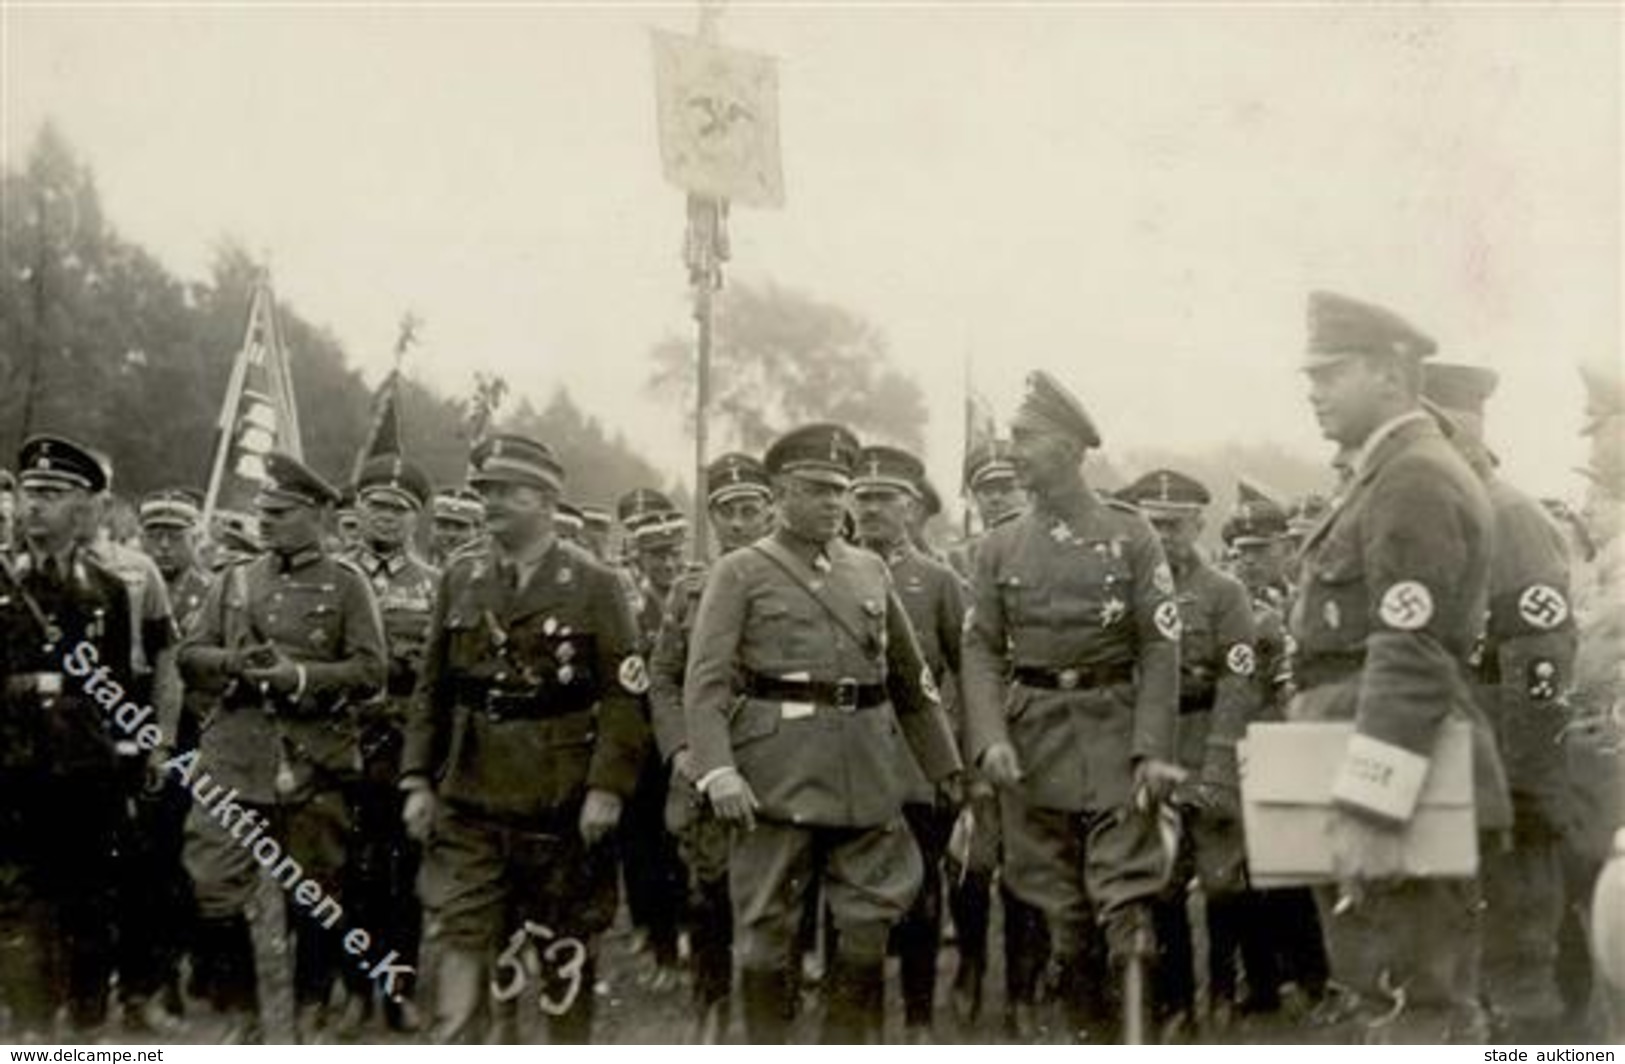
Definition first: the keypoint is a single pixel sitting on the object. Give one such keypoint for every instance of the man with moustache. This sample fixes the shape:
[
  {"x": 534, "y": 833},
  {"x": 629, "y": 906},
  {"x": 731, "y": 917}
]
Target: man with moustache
[
  {"x": 1394, "y": 589},
  {"x": 889, "y": 497},
  {"x": 523, "y": 742},
  {"x": 1071, "y": 656},
  {"x": 800, "y": 652},
  {"x": 739, "y": 499}
]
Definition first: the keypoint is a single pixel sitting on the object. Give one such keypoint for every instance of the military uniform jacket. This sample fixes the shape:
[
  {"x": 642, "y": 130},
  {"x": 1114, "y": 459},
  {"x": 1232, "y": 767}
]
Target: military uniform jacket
[
  {"x": 1527, "y": 660},
  {"x": 1088, "y": 592},
  {"x": 529, "y": 696},
  {"x": 934, "y": 600},
  {"x": 404, "y": 587},
  {"x": 1218, "y": 665},
  {"x": 187, "y": 594},
  {"x": 811, "y": 762},
  {"x": 1272, "y": 674},
  {"x": 317, "y": 611},
  {"x": 1394, "y": 587},
  {"x": 49, "y": 724},
  {"x": 668, "y": 660}
]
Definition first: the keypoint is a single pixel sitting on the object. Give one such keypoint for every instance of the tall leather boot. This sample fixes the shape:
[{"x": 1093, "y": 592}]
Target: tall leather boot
[
  {"x": 853, "y": 1002},
  {"x": 766, "y": 998},
  {"x": 273, "y": 963},
  {"x": 574, "y": 1026},
  {"x": 460, "y": 977}
]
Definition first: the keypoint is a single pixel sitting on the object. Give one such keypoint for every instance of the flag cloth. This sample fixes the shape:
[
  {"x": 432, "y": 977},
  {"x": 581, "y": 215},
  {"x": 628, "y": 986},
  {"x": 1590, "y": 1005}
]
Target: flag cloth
[
  {"x": 384, "y": 432},
  {"x": 259, "y": 414},
  {"x": 718, "y": 112}
]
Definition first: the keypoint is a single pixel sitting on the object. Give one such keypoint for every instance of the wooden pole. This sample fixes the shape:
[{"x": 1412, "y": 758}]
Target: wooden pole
[
  {"x": 702, "y": 392},
  {"x": 706, "y": 251}
]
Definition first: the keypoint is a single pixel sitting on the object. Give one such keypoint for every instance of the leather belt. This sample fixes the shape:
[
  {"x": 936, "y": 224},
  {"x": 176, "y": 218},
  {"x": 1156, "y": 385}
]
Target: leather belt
[
  {"x": 1077, "y": 678},
  {"x": 842, "y": 694},
  {"x": 500, "y": 704},
  {"x": 43, "y": 684}
]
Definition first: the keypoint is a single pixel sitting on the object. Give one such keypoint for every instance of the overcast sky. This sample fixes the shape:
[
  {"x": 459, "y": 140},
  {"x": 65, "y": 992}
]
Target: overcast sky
[{"x": 1136, "y": 198}]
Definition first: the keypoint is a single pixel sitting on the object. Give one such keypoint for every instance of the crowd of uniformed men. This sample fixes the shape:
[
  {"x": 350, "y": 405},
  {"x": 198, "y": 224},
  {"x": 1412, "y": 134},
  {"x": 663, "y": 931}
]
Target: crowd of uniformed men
[{"x": 831, "y": 746}]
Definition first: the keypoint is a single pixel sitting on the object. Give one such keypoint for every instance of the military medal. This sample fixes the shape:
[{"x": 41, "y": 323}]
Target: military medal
[
  {"x": 1112, "y": 611},
  {"x": 566, "y": 674},
  {"x": 549, "y": 626},
  {"x": 285, "y": 781}
]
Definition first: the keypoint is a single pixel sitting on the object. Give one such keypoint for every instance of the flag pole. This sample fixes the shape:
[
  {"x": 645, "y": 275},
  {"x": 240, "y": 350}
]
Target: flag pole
[
  {"x": 970, "y": 429},
  {"x": 705, "y": 249}
]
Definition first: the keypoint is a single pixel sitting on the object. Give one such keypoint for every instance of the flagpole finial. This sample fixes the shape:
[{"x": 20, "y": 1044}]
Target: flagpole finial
[{"x": 406, "y": 336}]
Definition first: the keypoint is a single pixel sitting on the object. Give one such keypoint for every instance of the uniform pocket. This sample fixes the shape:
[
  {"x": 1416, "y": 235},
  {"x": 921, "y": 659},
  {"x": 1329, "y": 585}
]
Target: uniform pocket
[
  {"x": 323, "y": 627},
  {"x": 755, "y": 720},
  {"x": 781, "y": 631}
]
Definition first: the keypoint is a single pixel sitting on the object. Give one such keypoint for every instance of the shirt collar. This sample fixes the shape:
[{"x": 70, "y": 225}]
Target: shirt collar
[
  {"x": 524, "y": 563},
  {"x": 299, "y": 559},
  {"x": 31, "y": 559},
  {"x": 376, "y": 562}
]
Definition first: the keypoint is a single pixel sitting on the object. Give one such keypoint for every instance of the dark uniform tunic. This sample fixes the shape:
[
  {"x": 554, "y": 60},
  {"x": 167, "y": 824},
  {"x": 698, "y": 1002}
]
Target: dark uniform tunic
[
  {"x": 1078, "y": 610},
  {"x": 187, "y": 593},
  {"x": 1523, "y": 668},
  {"x": 797, "y": 694},
  {"x": 528, "y": 700},
  {"x": 1271, "y": 674},
  {"x": 384, "y": 860},
  {"x": 651, "y": 868},
  {"x": 934, "y": 600},
  {"x": 1394, "y": 588},
  {"x": 1217, "y": 699},
  {"x": 702, "y": 839},
  {"x": 59, "y": 802}
]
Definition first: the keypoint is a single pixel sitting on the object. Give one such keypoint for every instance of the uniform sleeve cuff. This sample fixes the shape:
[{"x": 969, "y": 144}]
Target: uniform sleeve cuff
[
  {"x": 703, "y": 784},
  {"x": 1380, "y": 778}
]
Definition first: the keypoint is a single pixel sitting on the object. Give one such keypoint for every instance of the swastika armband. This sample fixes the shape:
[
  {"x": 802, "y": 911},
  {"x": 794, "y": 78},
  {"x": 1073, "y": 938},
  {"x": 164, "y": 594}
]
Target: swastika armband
[
  {"x": 1240, "y": 659},
  {"x": 1166, "y": 618},
  {"x": 1407, "y": 605},
  {"x": 1380, "y": 778},
  {"x": 1542, "y": 607},
  {"x": 634, "y": 676}
]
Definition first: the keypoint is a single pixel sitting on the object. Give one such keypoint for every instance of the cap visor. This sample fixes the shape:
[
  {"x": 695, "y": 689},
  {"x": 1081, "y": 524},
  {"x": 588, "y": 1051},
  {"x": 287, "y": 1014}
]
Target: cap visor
[{"x": 823, "y": 475}]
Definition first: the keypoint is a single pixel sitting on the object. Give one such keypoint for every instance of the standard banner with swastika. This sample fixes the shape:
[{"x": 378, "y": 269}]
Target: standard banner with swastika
[{"x": 719, "y": 120}]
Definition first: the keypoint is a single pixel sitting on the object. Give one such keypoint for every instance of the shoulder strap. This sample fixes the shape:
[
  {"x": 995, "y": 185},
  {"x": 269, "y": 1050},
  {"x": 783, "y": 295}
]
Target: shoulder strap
[
  {"x": 775, "y": 554},
  {"x": 29, "y": 601}
]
